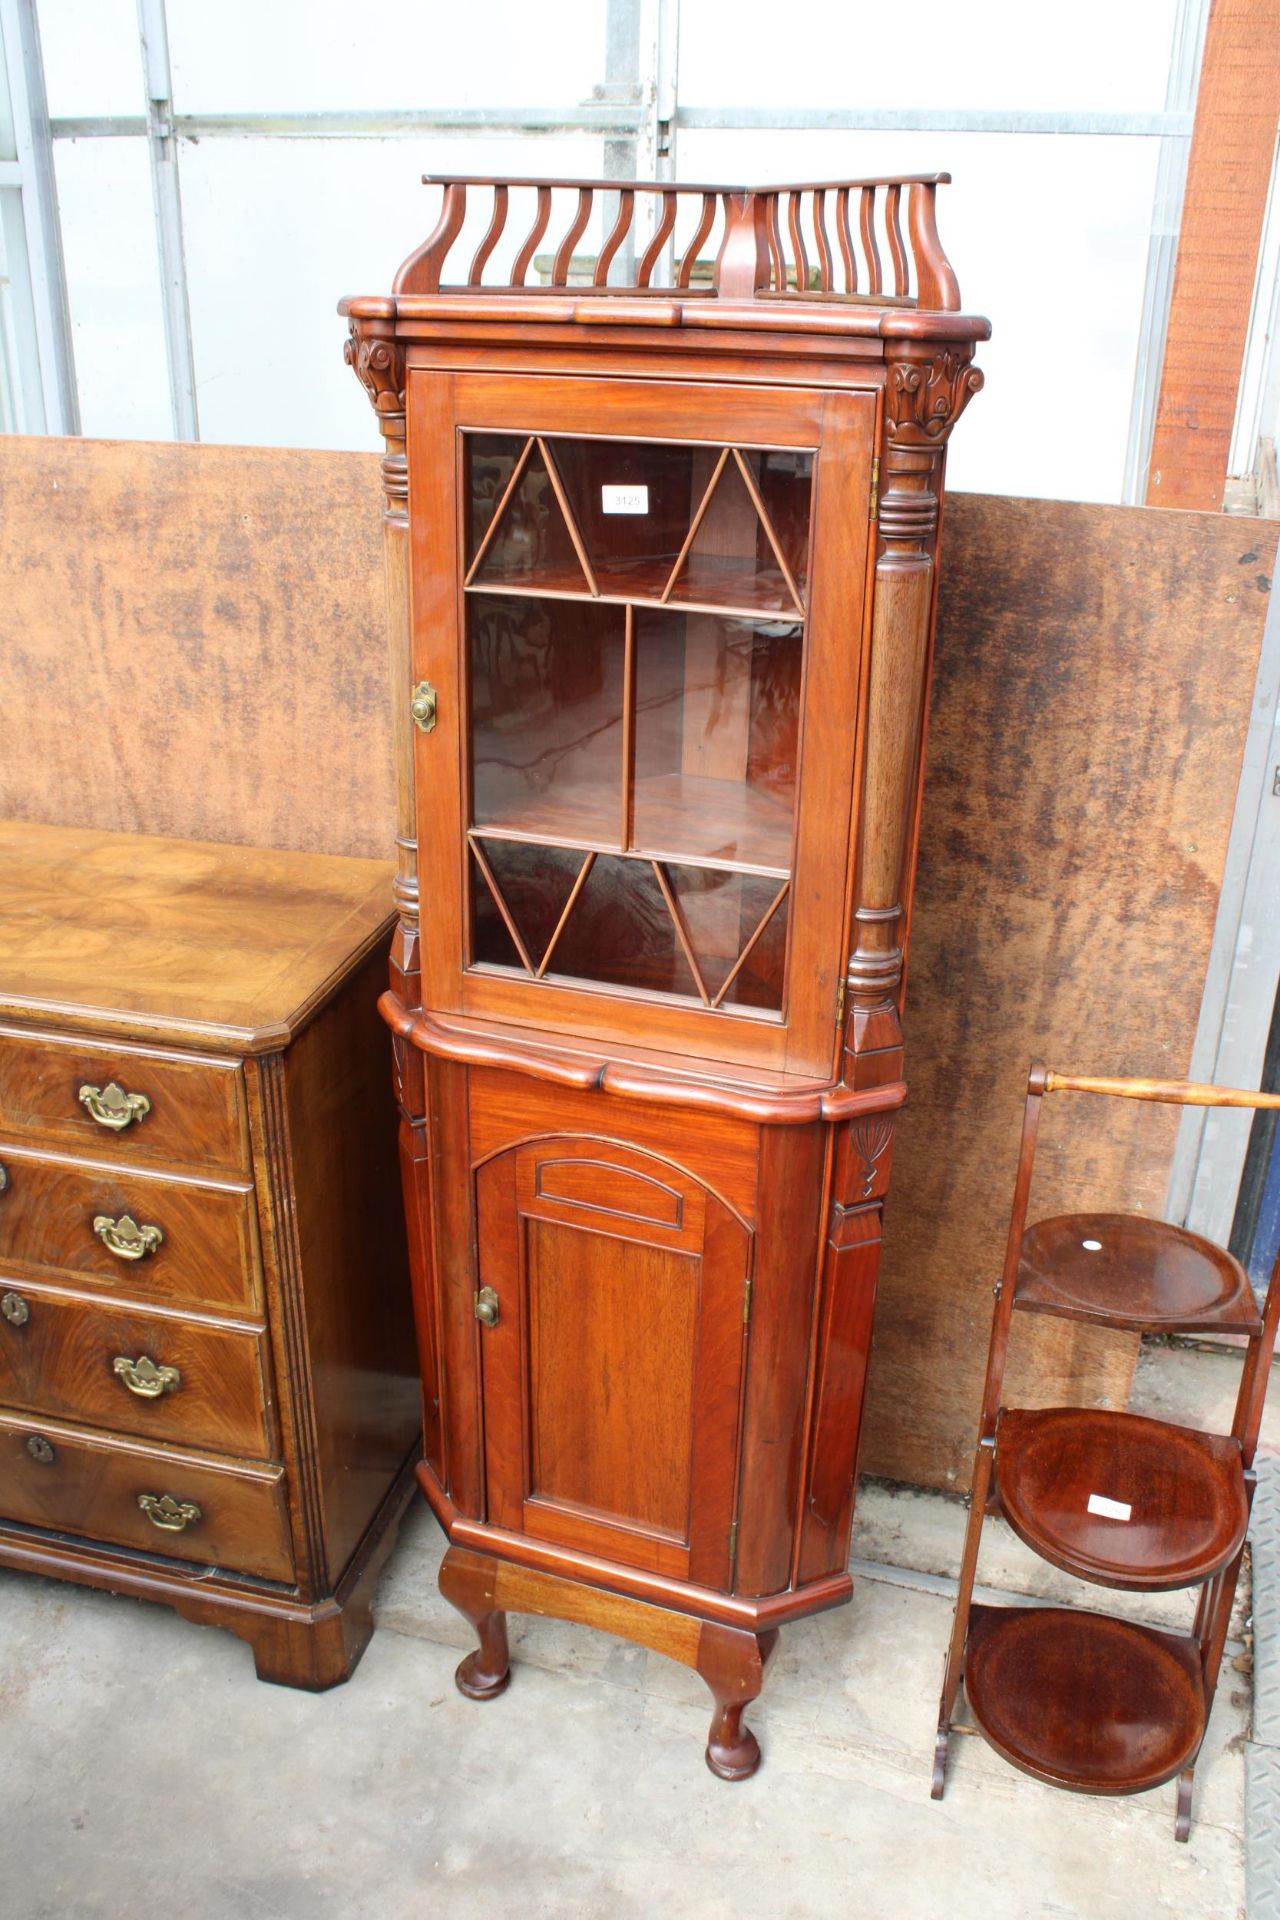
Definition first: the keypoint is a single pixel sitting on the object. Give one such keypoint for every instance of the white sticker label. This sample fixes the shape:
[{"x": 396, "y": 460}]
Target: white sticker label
[
  {"x": 624, "y": 499},
  {"x": 1109, "y": 1509}
]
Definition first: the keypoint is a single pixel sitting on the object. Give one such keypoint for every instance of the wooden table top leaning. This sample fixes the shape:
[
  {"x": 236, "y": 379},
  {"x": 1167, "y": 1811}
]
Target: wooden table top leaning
[
  {"x": 208, "y": 1389},
  {"x": 661, "y": 545},
  {"x": 1084, "y": 1700}
]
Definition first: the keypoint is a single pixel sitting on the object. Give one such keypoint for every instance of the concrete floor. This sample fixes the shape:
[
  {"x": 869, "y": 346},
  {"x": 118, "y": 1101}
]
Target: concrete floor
[{"x": 144, "y": 1771}]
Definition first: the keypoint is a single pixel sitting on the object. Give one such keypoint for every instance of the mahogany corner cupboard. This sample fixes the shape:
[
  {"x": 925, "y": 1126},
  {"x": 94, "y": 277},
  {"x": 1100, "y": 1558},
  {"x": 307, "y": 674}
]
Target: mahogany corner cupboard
[{"x": 661, "y": 540}]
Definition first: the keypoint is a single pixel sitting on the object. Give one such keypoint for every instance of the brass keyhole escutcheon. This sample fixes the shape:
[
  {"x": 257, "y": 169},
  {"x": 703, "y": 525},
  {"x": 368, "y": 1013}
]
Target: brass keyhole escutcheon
[
  {"x": 112, "y": 1107},
  {"x": 422, "y": 705},
  {"x": 488, "y": 1312},
  {"x": 15, "y": 1309},
  {"x": 41, "y": 1450}
]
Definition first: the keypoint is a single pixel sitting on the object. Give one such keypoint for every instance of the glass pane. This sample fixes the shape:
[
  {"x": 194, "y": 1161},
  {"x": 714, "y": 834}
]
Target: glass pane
[
  {"x": 635, "y": 644},
  {"x": 700, "y": 525},
  {"x": 546, "y": 715},
  {"x": 619, "y": 932},
  {"x": 727, "y": 915},
  {"x": 718, "y": 938},
  {"x": 716, "y": 736},
  {"x": 533, "y": 883},
  {"x": 528, "y": 538}
]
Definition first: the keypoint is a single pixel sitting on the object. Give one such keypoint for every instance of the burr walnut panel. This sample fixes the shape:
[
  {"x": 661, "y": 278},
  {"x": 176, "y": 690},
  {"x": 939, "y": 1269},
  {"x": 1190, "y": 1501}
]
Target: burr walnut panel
[
  {"x": 164, "y": 1109},
  {"x": 206, "y": 1255},
  {"x": 73, "y": 1481},
  {"x": 155, "y": 1375}
]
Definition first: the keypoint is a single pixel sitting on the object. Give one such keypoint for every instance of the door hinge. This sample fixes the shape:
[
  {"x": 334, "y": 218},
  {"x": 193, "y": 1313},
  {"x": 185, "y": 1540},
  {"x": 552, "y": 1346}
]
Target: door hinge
[
  {"x": 746, "y": 1302},
  {"x": 875, "y": 488},
  {"x": 733, "y": 1549},
  {"x": 840, "y": 994}
]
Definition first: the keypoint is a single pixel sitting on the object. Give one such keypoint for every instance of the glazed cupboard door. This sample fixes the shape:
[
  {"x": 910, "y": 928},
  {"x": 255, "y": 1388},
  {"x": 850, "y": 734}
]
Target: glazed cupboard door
[
  {"x": 613, "y": 1304},
  {"x": 640, "y": 609}
]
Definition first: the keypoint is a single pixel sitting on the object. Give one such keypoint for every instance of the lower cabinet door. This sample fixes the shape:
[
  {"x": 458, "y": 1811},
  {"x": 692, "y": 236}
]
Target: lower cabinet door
[{"x": 613, "y": 1342}]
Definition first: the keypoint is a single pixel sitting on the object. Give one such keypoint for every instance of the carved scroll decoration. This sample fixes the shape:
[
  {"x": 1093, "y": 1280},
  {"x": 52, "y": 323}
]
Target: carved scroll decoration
[{"x": 925, "y": 398}]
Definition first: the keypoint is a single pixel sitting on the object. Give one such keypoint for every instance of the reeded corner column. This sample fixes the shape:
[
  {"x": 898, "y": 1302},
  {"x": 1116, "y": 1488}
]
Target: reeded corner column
[
  {"x": 927, "y": 387},
  {"x": 377, "y": 359}
]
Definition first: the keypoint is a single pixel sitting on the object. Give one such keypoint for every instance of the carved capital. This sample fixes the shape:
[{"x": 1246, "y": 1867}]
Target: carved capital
[
  {"x": 378, "y": 364},
  {"x": 928, "y": 389}
]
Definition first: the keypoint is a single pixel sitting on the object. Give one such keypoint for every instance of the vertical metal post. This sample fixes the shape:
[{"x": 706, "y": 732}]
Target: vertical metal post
[
  {"x": 38, "y": 321},
  {"x": 663, "y": 111},
  {"x": 622, "y": 81},
  {"x": 1244, "y": 967},
  {"x": 659, "y": 57},
  {"x": 1166, "y": 220},
  {"x": 161, "y": 141}
]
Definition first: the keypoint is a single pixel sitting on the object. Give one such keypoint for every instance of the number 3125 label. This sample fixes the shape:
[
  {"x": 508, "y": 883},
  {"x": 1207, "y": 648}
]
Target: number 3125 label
[{"x": 624, "y": 499}]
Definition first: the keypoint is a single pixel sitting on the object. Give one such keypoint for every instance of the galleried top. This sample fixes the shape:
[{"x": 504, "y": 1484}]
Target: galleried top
[{"x": 851, "y": 243}]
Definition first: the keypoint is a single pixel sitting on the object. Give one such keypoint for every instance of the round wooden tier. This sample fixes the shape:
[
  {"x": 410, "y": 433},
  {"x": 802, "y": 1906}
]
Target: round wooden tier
[
  {"x": 1083, "y": 1701},
  {"x": 1123, "y": 1270},
  {"x": 1183, "y": 1491}
]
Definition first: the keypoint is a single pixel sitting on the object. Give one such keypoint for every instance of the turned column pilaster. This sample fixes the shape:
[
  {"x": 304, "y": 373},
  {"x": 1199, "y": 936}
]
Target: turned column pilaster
[
  {"x": 377, "y": 360},
  {"x": 927, "y": 388}
]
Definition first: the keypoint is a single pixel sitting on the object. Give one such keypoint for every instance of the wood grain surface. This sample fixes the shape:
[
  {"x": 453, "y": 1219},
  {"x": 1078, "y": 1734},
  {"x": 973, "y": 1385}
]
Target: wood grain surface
[
  {"x": 1094, "y": 676},
  {"x": 183, "y": 939},
  {"x": 207, "y": 1257},
  {"x": 191, "y": 638},
  {"x": 91, "y": 1485},
  {"x": 62, "y": 1361},
  {"x": 1095, "y": 670}
]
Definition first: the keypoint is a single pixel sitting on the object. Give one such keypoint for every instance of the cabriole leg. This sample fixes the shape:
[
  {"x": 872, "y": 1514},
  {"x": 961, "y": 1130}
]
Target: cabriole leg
[
  {"x": 732, "y": 1662},
  {"x": 467, "y": 1583}
]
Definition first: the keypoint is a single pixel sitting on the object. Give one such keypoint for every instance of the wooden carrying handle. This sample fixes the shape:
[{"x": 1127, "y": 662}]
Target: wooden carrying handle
[{"x": 1178, "y": 1093}]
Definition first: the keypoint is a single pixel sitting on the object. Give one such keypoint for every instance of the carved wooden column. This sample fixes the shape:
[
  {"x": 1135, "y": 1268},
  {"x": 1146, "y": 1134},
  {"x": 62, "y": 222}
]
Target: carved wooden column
[
  {"x": 928, "y": 386},
  {"x": 378, "y": 362},
  {"x": 926, "y": 390}
]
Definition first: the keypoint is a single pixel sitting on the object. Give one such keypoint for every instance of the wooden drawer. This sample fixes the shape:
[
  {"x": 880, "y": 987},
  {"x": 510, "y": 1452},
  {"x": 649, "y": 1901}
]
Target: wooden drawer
[
  {"x": 59, "y": 1355},
  {"x": 72, "y": 1481},
  {"x": 207, "y": 1255},
  {"x": 195, "y": 1113}
]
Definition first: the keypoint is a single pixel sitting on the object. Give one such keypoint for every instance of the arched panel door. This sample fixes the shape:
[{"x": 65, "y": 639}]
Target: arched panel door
[{"x": 612, "y": 1375}]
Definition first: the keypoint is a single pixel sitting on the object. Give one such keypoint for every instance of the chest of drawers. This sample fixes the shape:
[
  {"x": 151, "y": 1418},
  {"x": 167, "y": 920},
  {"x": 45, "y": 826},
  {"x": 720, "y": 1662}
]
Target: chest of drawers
[{"x": 208, "y": 1381}]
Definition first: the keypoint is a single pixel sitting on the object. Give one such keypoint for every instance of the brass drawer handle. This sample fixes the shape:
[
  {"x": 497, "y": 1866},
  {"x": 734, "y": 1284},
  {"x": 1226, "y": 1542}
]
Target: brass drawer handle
[
  {"x": 4, "y": 1177},
  {"x": 112, "y": 1107},
  {"x": 41, "y": 1450},
  {"x": 125, "y": 1238},
  {"x": 170, "y": 1515},
  {"x": 488, "y": 1309},
  {"x": 15, "y": 1309},
  {"x": 145, "y": 1378}
]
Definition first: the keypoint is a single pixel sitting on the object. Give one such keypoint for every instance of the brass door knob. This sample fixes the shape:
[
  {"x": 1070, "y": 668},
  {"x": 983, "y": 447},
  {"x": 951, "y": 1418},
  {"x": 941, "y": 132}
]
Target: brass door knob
[
  {"x": 125, "y": 1238},
  {"x": 170, "y": 1515},
  {"x": 15, "y": 1309},
  {"x": 422, "y": 705},
  {"x": 112, "y": 1107},
  {"x": 41, "y": 1450},
  {"x": 145, "y": 1378},
  {"x": 488, "y": 1312}
]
